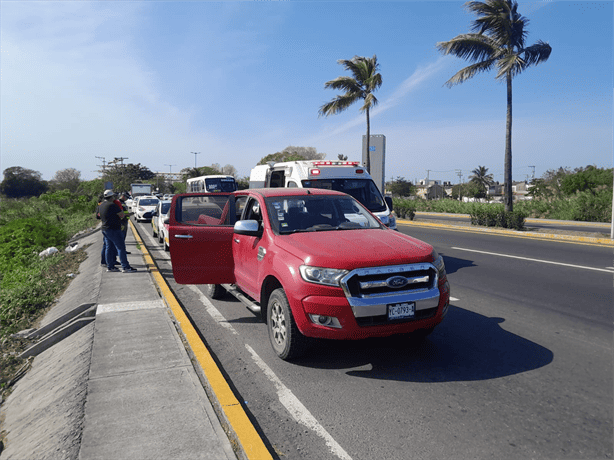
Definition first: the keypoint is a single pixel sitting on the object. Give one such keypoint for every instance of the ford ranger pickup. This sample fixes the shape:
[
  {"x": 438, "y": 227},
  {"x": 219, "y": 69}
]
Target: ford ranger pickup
[{"x": 315, "y": 263}]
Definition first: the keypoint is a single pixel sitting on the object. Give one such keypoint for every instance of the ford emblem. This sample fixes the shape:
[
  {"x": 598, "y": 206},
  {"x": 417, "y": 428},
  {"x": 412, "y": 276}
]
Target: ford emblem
[{"x": 397, "y": 282}]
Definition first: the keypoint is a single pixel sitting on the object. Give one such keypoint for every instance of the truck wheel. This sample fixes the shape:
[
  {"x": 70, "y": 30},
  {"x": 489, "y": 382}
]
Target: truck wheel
[
  {"x": 286, "y": 339},
  {"x": 214, "y": 291}
]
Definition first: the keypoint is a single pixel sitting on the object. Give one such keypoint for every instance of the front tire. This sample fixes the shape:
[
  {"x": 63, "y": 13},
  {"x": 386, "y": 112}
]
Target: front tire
[
  {"x": 213, "y": 291},
  {"x": 286, "y": 339}
]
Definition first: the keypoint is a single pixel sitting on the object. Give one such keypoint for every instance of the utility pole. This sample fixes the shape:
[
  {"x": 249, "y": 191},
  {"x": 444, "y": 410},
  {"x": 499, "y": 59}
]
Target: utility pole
[
  {"x": 460, "y": 184},
  {"x": 195, "y": 153},
  {"x": 104, "y": 165},
  {"x": 533, "y": 174}
]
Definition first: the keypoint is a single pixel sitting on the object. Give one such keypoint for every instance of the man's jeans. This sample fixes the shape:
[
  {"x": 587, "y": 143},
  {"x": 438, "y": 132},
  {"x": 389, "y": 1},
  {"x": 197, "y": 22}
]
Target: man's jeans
[{"x": 114, "y": 241}]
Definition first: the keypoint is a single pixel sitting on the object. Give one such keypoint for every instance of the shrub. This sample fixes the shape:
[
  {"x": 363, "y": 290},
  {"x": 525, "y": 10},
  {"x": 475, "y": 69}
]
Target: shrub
[
  {"x": 497, "y": 216},
  {"x": 22, "y": 239}
]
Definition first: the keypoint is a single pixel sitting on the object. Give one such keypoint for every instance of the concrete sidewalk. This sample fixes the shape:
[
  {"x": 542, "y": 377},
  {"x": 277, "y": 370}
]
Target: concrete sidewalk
[{"x": 117, "y": 384}]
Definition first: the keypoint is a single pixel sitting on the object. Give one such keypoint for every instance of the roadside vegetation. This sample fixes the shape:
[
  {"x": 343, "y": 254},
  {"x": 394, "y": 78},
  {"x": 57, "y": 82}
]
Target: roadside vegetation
[
  {"x": 29, "y": 283},
  {"x": 582, "y": 194}
]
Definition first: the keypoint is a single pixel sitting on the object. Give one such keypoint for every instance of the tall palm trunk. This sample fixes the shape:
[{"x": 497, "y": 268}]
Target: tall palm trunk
[
  {"x": 509, "y": 202},
  {"x": 368, "y": 165}
]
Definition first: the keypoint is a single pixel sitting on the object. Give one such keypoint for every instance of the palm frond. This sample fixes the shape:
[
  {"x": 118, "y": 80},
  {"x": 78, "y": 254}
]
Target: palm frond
[
  {"x": 338, "y": 104},
  {"x": 343, "y": 83},
  {"x": 370, "y": 102},
  {"x": 470, "y": 71},
  {"x": 538, "y": 53},
  {"x": 472, "y": 47}
]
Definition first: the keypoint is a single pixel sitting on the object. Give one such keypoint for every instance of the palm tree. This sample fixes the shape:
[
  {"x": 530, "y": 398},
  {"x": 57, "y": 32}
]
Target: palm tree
[
  {"x": 499, "y": 42},
  {"x": 481, "y": 177},
  {"x": 366, "y": 79}
]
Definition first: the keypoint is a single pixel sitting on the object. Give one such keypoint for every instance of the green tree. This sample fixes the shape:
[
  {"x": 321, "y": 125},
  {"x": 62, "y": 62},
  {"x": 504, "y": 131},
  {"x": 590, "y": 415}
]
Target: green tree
[
  {"x": 342, "y": 157},
  {"x": 280, "y": 157},
  {"x": 498, "y": 42},
  {"x": 364, "y": 81},
  {"x": 22, "y": 182},
  {"x": 548, "y": 187},
  {"x": 292, "y": 153},
  {"x": 202, "y": 171},
  {"x": 586, "y": 179},
  {"x": 123, "y": 175},
  {"x": 482, "y": 179},
  {"x": 68, "y": 179},
  {"x": 400, "y": 187}
]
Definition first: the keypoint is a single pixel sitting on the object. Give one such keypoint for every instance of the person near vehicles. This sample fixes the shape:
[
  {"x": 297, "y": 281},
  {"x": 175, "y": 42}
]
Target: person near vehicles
[
  {"x": 103, "y": 253},
  {"x": 111, "y": 216},
  {"x": 122, "y": 203}
]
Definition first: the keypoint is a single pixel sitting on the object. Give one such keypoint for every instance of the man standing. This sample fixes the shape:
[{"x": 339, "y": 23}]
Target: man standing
[
  {"x": 111, "y": 215},
  {"x": 122, "y": 201}
]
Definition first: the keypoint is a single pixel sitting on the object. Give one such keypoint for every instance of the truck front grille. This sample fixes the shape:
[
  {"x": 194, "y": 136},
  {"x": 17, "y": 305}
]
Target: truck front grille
[
  {"x": 370, "y": 291},
  {"x": 390, "y": 281}
]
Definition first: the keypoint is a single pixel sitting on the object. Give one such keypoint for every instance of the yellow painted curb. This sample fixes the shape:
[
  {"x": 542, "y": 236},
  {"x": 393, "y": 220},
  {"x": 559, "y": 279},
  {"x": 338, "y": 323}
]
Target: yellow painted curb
[
  {"x": 513, "y": 233},
  {"x": 245, "y": 432}
]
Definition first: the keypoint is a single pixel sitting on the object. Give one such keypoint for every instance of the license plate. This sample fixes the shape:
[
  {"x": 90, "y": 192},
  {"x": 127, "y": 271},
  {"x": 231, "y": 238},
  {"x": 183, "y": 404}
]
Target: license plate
[{"x": 401, "y": 310}]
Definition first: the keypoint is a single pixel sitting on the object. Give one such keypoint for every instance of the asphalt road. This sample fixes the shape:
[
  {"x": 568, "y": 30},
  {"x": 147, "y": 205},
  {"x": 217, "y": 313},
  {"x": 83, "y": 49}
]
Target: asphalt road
[{"x": 520, "y": 368}]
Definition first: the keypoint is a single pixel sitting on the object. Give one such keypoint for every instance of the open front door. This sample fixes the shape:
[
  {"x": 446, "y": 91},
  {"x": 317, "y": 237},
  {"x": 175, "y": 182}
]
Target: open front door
[{"x": 200, "y": 238}]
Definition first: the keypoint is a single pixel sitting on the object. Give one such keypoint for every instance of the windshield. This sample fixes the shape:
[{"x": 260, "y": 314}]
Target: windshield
[
  {"x": 148, "y": 202},
  {"x": 318, "y": 213},
  {"x": 364, "y": 190},
  {"x": 220, "y": 184}
]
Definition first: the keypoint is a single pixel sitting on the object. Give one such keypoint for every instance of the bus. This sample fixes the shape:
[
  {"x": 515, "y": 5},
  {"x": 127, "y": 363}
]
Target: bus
[{"x": 211, "y": 184}]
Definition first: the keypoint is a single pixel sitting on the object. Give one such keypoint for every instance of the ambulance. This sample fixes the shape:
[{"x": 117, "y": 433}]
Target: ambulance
[{"x": 343, "y": 176}]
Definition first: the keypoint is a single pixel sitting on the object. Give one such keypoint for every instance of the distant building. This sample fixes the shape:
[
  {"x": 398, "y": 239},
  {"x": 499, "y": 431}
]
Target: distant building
[
  {"x": 433, "y": 189},
  {"x": 519, "y": 189}
]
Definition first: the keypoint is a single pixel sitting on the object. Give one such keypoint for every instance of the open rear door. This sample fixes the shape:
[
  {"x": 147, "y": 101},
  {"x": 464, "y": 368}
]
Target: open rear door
[{"x": 200, "y": 235}]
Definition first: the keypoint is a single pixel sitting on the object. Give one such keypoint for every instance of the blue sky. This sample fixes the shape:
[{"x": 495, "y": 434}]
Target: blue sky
[{"x": 154, "y": 81}]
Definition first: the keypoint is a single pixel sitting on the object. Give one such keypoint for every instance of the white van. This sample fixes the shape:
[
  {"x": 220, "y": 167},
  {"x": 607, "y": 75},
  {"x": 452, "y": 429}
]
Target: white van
[
  {"x": 211, "y": 184},
  {"x": 344, "y": 176}
]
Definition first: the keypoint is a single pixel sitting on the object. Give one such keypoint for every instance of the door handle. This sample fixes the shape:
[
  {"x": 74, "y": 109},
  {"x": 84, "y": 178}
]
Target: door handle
[
  {"x": 237, "y": 240},
  {"x": 185, "y": 237}
]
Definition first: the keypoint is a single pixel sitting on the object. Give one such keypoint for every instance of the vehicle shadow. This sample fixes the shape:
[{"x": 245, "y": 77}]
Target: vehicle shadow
[
  {"x": 453, "y": 264},
  {"x": 467, "y": 346}
]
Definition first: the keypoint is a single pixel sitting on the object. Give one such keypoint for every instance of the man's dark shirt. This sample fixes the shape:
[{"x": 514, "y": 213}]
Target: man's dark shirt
[{"x": 109, "y": 215}]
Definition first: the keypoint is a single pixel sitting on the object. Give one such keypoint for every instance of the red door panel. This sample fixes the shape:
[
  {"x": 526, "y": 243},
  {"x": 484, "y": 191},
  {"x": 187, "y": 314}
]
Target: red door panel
[{"x": 200, "y": 234}]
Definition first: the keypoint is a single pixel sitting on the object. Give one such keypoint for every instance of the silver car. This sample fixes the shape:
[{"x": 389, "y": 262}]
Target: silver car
[{"x": 159, "y": 222}]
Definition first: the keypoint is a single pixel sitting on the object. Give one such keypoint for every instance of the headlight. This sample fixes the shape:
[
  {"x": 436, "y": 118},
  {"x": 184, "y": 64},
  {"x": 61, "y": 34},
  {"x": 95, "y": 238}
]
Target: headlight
[
  {"x": 318, "y": 275},
  {"x": 439, "y": 264}
]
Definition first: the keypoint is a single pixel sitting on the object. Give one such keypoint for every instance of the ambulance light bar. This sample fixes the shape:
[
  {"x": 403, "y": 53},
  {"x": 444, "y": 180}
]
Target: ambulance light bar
[{"x": 336, "y": 163}]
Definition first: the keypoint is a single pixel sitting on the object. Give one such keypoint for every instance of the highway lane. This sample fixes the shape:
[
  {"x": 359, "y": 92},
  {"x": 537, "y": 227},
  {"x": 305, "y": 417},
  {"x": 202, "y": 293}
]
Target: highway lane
[{"x": 521, "y": 367}]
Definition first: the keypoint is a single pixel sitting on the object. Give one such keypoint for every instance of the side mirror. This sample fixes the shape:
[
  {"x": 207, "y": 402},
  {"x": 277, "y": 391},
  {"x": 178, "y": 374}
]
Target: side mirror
[
  {"x": 248, "y": 227},
  {"x": 388, "y": 200},
  {"x": 166, "y": 220}
]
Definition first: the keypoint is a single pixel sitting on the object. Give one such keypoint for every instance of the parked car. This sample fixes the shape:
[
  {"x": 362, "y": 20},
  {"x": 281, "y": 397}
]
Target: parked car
[
  {"x": 314, "y": 263},
  {"x": 144, "y": 207},
  {"x": 159, "y": 222}
]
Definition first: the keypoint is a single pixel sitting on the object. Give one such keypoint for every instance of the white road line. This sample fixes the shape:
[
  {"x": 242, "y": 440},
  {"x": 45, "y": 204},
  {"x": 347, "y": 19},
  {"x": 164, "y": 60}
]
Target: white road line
[
  {"x": 297, "y": 409},
  {"x": 213, "y": 312},
  {"x": 535, "y": 260},
  {"x": 453, "y": 299}
]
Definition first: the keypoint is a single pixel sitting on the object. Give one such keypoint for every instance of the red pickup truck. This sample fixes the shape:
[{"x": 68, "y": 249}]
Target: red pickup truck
[{"x": 315, "y": 263}]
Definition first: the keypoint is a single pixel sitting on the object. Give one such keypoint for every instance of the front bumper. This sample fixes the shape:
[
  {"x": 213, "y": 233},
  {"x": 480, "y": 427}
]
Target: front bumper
[{"x": 361, "y": 321}]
